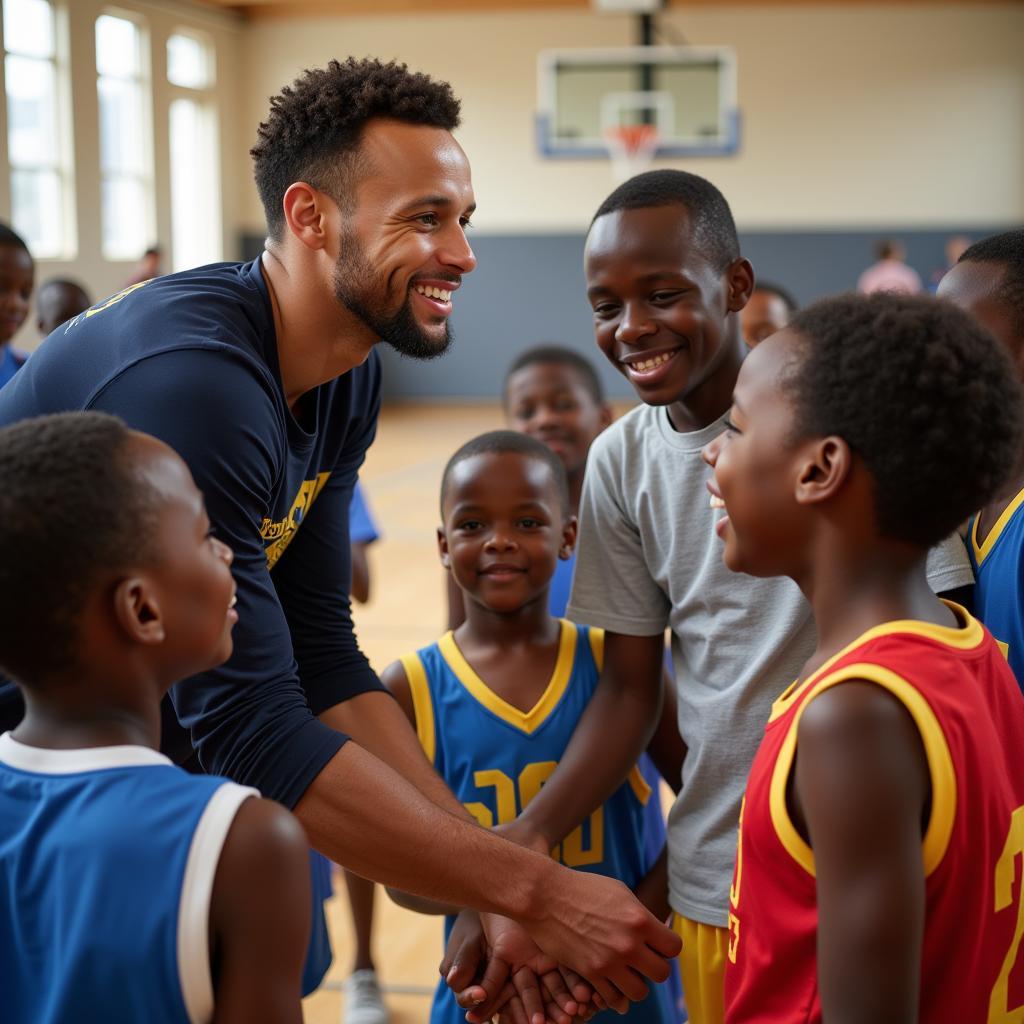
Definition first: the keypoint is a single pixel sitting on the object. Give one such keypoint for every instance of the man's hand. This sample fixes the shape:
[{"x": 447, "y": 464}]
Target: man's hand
[{"x": 495, "y": 966}]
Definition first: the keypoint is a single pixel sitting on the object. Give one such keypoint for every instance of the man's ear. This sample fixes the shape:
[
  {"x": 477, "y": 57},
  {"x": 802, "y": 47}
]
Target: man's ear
[
  {"x": 442, "y": 547},
  {"x": 569, "y": 531},
  {"x": 826, "y": 466},
  {"x": 306, "y": 214},
  {"x": 740, "y": 280},
  {"x": 137, "y": 611}
]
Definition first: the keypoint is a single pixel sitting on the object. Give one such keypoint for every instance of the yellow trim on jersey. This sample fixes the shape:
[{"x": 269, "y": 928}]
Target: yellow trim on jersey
[
  {"x": 597, "y": 647},
  {"x": 963, "y": 638},
  {"x": 982, "y": 551},
  {"x": 422, "y": 704},
  {"x": 527, "y": 721},
  {"x": 940, "y": 767},
  {"x": 641, "y": 790}
]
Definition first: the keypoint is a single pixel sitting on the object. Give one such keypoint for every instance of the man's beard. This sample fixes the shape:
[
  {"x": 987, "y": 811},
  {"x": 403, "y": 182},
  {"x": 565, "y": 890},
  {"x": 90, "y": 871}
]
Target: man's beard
[{"x": 353, "y": 280}]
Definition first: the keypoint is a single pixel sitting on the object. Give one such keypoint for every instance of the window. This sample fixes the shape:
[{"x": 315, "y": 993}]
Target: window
[
  {"x": 195, "y": 169},
  {"x": 125, "y": 138},
  {"x": 38, "y": 151}
]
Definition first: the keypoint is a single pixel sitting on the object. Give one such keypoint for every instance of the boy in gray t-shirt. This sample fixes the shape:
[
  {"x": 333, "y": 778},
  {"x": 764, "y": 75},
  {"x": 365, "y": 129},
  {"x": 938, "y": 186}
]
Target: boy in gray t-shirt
[{"x": 666, "y": 283}]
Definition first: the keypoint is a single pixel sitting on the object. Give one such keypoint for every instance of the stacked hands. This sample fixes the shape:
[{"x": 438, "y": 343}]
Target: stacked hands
[{"x": 593, "y": 952}]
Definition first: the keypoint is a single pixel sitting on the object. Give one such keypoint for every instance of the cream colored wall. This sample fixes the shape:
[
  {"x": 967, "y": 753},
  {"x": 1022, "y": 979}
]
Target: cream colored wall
[
  {"x": 854, "y": 116},
  {"x": 77, "y": 19}
]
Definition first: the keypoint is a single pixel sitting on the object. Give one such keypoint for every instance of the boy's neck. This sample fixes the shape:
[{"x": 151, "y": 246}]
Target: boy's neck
[
  {"x": 576, "y": 490},
  {"x": 851, "y": 592},
  {"x": 989, "y": 515},
  {"x": 712, "y": 398},
  {"x": 515, "y": 655},
  {"x": 57, "y": 724}
]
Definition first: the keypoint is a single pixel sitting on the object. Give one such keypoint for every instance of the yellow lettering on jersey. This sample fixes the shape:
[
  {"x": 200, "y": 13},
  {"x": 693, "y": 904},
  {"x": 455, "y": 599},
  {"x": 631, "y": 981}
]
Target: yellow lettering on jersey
[
  {"x": 574, "y": 851},
  {"x": 481, "y": 812},
  {"x": 999, "y": 1009},
  {"x": 1005, "y": 648},
  {"x": 278, "y": 535},
  {"x": 734, "y": 889},
  {"x": 115, "y": 299},
  {"x": 504, "y": 792}
]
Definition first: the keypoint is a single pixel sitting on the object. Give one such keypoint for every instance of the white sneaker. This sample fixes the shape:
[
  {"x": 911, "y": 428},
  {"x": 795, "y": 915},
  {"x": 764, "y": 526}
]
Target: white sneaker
[{"x": 363, "y": 1002}]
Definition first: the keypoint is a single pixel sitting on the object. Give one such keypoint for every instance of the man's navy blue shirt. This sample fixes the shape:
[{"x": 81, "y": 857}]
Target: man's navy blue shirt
[{"x": 192, "y": 359}]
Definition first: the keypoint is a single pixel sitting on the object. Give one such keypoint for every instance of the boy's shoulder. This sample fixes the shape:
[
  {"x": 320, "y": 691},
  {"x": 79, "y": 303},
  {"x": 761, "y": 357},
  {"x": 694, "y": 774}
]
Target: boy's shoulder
[{"x": 632, "y": 435}]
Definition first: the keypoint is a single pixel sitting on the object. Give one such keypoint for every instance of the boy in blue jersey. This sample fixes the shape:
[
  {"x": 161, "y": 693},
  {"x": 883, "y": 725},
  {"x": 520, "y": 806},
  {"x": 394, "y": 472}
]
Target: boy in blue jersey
[
  {"x": 495, "y": 702},
  {"x": 988, "y": 282},
  {"x": 129, "y": 890}
]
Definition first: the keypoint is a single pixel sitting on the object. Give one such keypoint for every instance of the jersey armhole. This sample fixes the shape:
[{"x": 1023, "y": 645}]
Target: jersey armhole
[
  {"x": 193, "y": 940},
  {"x": 422, "y": 704},
  {"x": 940, "y": 767}
]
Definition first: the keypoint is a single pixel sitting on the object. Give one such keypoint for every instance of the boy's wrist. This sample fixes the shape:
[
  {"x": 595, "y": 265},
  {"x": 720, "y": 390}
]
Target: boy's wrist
[{"x": 524, "y": 833}]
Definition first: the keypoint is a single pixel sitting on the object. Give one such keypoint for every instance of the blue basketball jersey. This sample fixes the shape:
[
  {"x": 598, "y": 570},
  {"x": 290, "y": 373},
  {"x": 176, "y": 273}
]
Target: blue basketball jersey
[
  {"x": 107, "y": 862},
  {"x": 998, "y": 566},
  {"x": 496, "y": 757}
]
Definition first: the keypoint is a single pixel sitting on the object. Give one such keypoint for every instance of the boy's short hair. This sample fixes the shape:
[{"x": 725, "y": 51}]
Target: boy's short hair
[
  {"x": 1006, "y": 249},
  {"x": 713, "y": 228},
  {"x": 776, "y": 289},
  {"x": 922, "y": 394},
  {"x": 314, "y": 127},
  {"x": 502, "y": 442},
  {"x": 559, "y": 355},
  {"x": 8, "y": 236},
  {"x": 72, "y": 507}
]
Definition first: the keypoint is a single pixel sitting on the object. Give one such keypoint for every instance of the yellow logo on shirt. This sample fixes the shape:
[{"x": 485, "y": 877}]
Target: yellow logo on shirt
[
  {"x": 278, "y": 535},
  {"x": 115, "y": 299}
]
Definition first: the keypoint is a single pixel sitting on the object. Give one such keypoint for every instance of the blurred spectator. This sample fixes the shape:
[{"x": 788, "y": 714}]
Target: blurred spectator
[
  {"x": 956, "y": 246},
  {"x": 59, "y": 301},
  {"x": 770, "y": 308},
  {"x": 17, "y": 277},
  {"x": 148, "y": 267},
  {"x": 890, "y": 273}
]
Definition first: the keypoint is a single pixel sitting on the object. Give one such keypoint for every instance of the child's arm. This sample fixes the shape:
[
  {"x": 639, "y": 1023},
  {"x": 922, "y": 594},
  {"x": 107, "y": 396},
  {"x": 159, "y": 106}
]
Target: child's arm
[
  {"x": 666, "y": 747},
  {"x": 861, "y": 786},
  {"x": 652, "y": 889},
  {"x": 260, "y": 917},
  {"x": 397, "y": 683}
]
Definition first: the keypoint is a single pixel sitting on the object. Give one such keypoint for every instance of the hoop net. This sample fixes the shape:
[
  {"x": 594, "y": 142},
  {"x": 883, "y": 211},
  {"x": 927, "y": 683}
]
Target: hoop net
[{"x": 631, "y": 148}]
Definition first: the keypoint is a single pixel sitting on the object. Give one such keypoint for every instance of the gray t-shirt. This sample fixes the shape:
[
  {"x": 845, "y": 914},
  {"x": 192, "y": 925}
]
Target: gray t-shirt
[{"x": 648, "y": 558}]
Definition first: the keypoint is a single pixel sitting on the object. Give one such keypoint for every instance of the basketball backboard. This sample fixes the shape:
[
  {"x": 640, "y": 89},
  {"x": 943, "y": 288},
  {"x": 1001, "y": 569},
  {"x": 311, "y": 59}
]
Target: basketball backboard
[{"x": 688, "y": 93}]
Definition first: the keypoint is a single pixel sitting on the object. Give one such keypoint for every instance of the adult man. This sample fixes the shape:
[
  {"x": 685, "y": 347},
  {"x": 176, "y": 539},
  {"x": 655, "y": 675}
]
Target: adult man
[{"x": 262, "y": 376}]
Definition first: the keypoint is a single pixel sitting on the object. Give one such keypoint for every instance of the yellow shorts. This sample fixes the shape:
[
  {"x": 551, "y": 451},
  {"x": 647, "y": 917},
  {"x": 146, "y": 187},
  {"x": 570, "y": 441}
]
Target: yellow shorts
[{"x": 702, "y": 966}]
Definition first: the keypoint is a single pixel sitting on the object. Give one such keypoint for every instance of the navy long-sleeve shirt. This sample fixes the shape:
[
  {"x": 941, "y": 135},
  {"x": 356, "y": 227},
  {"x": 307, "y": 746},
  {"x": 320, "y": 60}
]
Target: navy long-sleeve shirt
[{"x": 192, "y": 359}]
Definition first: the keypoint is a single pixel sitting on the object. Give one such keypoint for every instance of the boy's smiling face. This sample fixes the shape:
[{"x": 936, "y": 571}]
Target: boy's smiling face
[
  {"x": 661, "y": 310},
  {"x": 504, "y": 529},
  {"x": 756, "y": 464}
]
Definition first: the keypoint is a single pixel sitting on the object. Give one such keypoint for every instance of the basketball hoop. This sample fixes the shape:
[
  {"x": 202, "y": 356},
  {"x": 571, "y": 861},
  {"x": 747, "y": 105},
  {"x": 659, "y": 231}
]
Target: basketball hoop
[{"x": 631, "y": 148}]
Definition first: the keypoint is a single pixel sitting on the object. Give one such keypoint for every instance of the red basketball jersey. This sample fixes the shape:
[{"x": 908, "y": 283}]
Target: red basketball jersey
[{"x": 970, "y": 713}]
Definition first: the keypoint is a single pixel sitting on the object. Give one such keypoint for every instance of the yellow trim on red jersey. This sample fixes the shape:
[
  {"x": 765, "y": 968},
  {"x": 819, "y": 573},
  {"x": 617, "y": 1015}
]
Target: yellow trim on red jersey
[
  {"x": 422, "y": 705},
  {"x": 982, "y": 551},
  {"x": 963, "y": 638},
  {"x": 527, "y": 721},
  {"x": 940, "y": 766}
]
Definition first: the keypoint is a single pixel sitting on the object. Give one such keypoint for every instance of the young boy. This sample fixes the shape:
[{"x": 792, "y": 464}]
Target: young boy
[
  {"x": 495, "y": 702},
  {"x": 58, "y": 301},
  {"x": 988, "y": 282},
  {"x": 876, "y": 876},
  {"x": 666, "y": 282},
  {"x": 770, "y": 308},
  {"x": 17, "y": 277},
  {"x": 129, "y": 890}
]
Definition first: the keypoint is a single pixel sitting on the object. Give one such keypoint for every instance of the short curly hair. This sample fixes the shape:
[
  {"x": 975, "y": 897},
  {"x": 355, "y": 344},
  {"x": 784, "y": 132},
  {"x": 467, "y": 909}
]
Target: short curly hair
[
  {"x": 712, "y": 224},
  {"x": 509, "y": 442},
  {"x": 922, "y": 394},
  {"x": 313, "y": 130},
  {"x": 1007, "y": 250},
  {"x": 559, "y": 355},
  {"x": 73, "y": 507}
]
